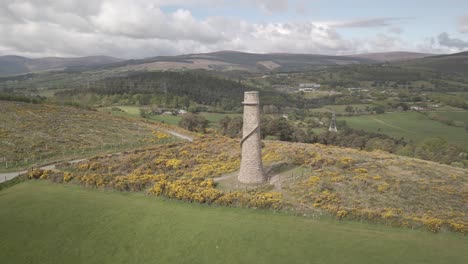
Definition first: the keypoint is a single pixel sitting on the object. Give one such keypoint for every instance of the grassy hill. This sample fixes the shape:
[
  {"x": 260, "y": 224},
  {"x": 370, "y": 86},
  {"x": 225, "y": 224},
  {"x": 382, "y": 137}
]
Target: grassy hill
[
  {"x": 392, "y": 56},
  {"x": 232, "y": 61},
  {"x": 32, "y": 134},
  {"x": 453, "y": 63},
  {"x": 14, "y": 65},
  {"x": 308, "y": 179},
  {"x": 49, "y": 223},
  {"x": 223, "y": 60}
]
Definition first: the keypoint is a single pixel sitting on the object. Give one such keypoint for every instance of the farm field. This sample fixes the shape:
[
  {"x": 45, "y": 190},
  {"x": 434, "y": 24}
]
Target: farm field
[
  {"x": 39, "y": 225},
  {"x": 410, "y": 125},
  {"x": 33, "y": 134},
  {"x": 340, "y": 109}
]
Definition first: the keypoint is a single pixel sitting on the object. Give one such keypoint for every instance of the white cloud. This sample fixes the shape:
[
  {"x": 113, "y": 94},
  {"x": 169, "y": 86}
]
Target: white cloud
[
  {"x": 270, "y": 6},
  {"x": 141, "y": 28}
]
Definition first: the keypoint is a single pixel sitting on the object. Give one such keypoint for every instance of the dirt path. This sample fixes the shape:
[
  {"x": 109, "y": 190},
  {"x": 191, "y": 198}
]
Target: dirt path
[
  {"x": 10, "y": 175},
  {"x": 179, "y": 135},
  {"x": 172, "y": 132}
]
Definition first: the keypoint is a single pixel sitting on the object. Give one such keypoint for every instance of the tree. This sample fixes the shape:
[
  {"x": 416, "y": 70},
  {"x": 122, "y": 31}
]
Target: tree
[
  {"x": 278, "y": 127},
  {"x": 224, "y": 123},
  {"x": 143, "y": 113},
  {"x": 234, "y": 128},
  {"x": 270, "y": 109},
  {"x": 349, "y": 109},
  {"x": 439, "y": 150},
  {"x": 193, "y": 122},
  {"x": 379, "y": 109},
  {"x": 382, "y": 144}
]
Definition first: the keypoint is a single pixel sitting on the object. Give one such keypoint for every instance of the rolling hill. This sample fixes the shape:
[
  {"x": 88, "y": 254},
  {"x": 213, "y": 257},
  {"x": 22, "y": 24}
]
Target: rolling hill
[
  {"x": 36, "y": 134},
  {"x": 222, "y": 60},
  {"x": 393, "y": 56},
  {"x": 451, "y": 63},
  {"x": 234, "y": 60},
  {"x": 14, "y": 65}
]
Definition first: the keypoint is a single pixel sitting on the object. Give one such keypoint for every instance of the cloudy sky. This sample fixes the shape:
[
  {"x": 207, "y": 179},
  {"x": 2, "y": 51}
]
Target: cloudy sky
[{"x": 146, "y": 28}]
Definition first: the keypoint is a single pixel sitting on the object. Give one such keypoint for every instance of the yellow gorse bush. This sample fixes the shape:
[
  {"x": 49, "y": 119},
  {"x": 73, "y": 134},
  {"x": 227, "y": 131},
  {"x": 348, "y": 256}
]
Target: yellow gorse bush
[{"x": 351, "y": 186}]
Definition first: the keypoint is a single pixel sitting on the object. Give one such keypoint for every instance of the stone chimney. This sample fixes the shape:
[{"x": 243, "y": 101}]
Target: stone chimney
[{"x": 251, "y": 170}]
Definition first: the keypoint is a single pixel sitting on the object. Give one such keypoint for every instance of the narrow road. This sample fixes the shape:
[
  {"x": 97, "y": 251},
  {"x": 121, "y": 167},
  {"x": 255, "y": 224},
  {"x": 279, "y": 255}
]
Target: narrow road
[
  {"x": 10, "y": 175},
  {"x": 179, "y": 135}
]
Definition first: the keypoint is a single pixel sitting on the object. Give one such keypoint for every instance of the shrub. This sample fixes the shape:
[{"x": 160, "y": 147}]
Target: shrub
[
  {"x": 266, "y": 200},
  {"x": 383, "y": 187},
  {"x": 39, "y": 174},
  {"x": 433, "y": 224}
]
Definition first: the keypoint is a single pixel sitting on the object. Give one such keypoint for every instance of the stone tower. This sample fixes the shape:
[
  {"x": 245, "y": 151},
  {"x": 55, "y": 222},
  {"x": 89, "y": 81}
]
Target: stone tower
[{"x": 251, "y": 170}]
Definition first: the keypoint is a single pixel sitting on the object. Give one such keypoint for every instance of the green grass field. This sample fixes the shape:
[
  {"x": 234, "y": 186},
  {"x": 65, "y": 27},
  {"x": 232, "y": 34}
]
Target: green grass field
[
  {"x": 340, "y": 109},
  {"x": 42, "y": 222},
  {"x": 134, "y": 111},
  {"x": 410, "y": 125},
  {"x": 166, "y": 119},
  {"x": 454, "y": 115}
]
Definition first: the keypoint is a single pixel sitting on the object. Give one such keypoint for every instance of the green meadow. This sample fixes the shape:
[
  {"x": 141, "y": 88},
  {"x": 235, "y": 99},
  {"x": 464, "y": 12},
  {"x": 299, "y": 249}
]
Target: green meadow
[
  {"x": 409, "y": 125},
  {"x": 134, "y": 111},
  {"x": 41, "y": 222},
  {"x": 461, "y": 116}
]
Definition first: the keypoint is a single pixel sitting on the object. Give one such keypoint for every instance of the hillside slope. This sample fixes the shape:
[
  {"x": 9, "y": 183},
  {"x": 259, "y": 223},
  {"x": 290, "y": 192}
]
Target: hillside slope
[
  {"x": 306, "y": 178},
  {"x": 392, "y": 56},
  {"x": 14, "y": 65},
  {"x": 452, "y": 63},
  {"x": 32, "y": 134},
  {"x": 233, "y": 60}
]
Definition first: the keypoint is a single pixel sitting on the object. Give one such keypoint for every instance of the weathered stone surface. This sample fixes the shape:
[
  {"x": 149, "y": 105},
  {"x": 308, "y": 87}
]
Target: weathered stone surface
[{"x": 251, "y": 170}]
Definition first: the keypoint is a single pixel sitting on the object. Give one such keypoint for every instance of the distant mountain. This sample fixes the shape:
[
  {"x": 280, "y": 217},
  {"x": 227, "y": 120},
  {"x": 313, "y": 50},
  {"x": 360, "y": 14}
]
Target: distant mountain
[
  {"x": 393, "y": 56},
  {"x": 233, "y": 60},
  {"x": 13, "y": 65},
  {"x": 451, "y": 63}
]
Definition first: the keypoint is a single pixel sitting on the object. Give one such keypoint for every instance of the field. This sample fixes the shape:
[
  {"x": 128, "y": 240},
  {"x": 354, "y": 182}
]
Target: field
[
  {"x": 340, "y": 109},
  {"x": 134, "y": 111},
  {"x": 409, "y": 125},
  {"x": 39, "y": 225},
  {"x": 32, "y": 134},
  {"x": 461, "y": 116}
]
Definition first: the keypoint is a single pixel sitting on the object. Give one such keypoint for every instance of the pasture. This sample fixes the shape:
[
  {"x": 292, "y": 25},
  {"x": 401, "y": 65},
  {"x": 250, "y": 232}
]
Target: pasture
[
  {"x": 49, "y": 223},
  {"x": 340, "y": 109},
  {"x": 409, "y": 125},
  {"x": 134, "y": 111},
  {"x": 461, "y": 116}
]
